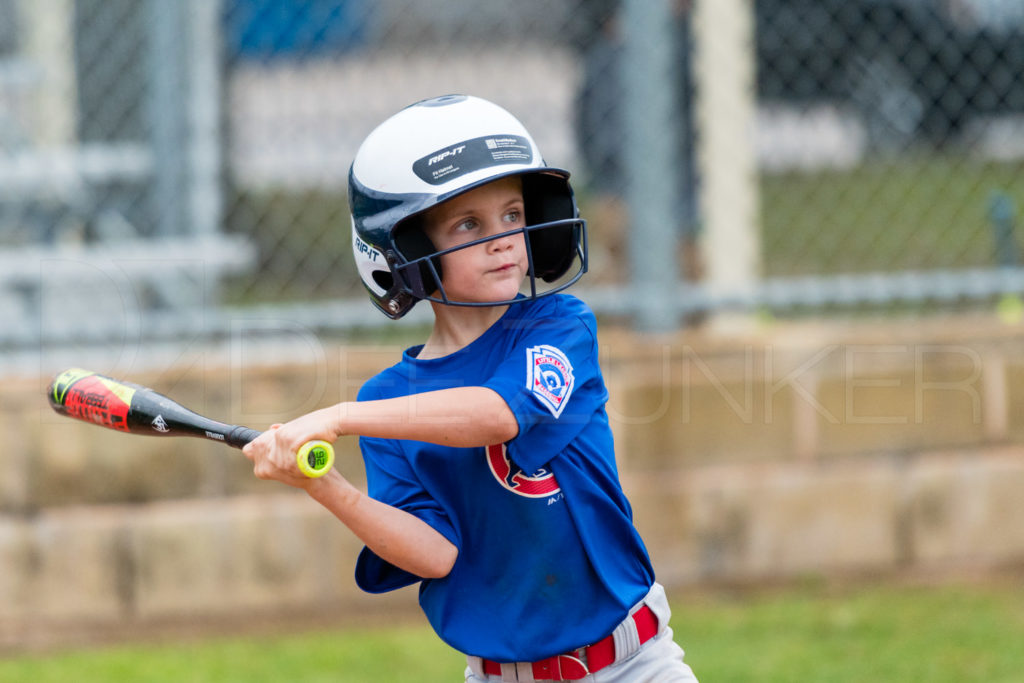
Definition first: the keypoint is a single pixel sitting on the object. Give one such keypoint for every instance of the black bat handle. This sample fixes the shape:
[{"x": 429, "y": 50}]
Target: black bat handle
[
  {"x": 314, "y": 458},
  {"x": 240, "y": 436}
]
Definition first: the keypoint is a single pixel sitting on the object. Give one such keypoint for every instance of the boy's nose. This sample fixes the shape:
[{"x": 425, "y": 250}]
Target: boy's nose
[{"x": 503, "y": 240}]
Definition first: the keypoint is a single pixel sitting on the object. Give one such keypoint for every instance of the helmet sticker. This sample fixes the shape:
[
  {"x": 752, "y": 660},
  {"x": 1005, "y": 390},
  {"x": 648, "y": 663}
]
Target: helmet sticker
[
  {"x": 549, "y": 377},
  {"x": 370, "y": 263},
  {"x": 457, "y": 160}
]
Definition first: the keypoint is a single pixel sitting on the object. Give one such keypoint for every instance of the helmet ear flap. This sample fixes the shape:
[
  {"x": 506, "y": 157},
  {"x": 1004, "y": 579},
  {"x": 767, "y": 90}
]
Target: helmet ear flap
[
  {"x": 548, "y": 198},
  {"x": 413, "y": 244}
]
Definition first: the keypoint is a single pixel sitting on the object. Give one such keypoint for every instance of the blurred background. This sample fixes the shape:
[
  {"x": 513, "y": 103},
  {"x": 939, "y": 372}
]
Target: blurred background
[
  {"x": 811, "y": 203},
  {"x": 194, "y": 156}
]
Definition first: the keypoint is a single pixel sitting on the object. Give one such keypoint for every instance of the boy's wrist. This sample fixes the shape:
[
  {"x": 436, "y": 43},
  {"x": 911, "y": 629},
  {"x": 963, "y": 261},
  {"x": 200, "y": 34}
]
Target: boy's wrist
[
  {"x": 332, "y": 488},
  {"x": 340, "y": 413}
]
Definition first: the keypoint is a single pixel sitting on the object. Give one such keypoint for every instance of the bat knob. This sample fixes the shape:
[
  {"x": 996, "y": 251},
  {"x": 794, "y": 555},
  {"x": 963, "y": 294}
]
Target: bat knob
[{"x": 315, "y": 458}]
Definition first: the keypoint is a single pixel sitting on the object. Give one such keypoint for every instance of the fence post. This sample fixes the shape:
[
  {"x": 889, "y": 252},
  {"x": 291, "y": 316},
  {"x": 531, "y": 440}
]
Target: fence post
[
  {"x": 726, "y": 119},
  {"x": 205, "y": 141},
  {"x": 47, "y": 37},
  {"x": 168, "y": 84},
  {"x": 649, "y": 83}
]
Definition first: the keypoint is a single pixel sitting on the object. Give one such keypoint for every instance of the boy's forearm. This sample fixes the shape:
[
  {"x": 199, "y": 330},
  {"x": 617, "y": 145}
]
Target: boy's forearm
[
  {"x": 460, "y": 417},
  {"x": 396, "y": 536}
]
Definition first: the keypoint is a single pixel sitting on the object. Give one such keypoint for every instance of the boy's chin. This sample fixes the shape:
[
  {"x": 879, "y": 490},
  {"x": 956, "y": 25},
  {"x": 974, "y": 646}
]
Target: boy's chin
[
  {"x": 496, "y": 294},
  {"x": 490, "y": 298}
]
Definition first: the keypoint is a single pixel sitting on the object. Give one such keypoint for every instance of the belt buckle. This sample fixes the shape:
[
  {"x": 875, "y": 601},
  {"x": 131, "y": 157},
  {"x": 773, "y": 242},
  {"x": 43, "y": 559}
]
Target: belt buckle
[{"x": 562, "y": 668}]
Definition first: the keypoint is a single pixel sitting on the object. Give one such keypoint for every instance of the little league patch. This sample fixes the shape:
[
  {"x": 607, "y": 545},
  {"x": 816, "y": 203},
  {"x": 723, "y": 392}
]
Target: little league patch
[{"x": 549, "y": 376}]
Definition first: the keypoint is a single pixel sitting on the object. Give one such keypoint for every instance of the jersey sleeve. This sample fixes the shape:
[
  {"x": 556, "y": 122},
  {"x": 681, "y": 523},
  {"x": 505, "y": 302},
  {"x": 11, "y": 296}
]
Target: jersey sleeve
[
  {"x": 552, "y": 382},
  {"x": 390, "y": 479}
]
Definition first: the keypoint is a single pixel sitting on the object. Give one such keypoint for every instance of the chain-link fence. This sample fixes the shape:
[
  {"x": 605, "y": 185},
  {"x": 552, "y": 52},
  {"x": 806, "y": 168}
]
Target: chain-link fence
[
  {"x": 891, "y": 133},
  {"x": 171, "y": 158}
]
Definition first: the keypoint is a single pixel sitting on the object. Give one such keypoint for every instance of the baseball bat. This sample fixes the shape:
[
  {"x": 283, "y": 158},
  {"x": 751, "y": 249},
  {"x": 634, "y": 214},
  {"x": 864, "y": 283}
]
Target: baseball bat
[{"x": 127, "y": 407}]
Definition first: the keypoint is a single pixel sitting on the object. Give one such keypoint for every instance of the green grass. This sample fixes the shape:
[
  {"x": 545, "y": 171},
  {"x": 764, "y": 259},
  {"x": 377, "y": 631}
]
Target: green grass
[
  {"x": 339, "y": 656},
  {"x": 910, "y": 213},
  {"x": 887, "y": 633},
  {"x": 882, "y": 634}
]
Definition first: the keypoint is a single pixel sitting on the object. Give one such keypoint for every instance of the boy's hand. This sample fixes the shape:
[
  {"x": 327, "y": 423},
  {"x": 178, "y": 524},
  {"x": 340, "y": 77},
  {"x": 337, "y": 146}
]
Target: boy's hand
[{"x": 273, "y": 453}]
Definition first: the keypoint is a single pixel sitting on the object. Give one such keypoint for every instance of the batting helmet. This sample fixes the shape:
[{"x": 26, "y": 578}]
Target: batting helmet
[{"x": 430, "y": 152}]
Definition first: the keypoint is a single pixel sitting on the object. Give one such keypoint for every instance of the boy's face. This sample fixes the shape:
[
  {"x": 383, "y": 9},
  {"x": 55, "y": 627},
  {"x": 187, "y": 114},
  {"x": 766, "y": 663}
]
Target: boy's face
[{"x": 493, "y": 270}]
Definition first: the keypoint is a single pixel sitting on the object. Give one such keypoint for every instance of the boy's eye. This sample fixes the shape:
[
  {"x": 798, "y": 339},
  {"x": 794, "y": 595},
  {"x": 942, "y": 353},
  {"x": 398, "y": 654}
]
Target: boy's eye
[{"x": 513, "y": 216}]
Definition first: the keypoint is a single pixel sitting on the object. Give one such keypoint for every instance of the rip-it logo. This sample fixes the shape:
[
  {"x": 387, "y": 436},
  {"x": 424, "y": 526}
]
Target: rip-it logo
[{"x": 438, "y": 158}]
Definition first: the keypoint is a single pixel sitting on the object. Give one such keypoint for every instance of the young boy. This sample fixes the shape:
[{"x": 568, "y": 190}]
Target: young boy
[{"x": 489, "y": 458}]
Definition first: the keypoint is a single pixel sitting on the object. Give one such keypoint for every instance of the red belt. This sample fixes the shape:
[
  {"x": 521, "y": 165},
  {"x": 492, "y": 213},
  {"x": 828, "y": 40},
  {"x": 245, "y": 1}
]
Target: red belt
[{"x": 571, "y": 666}]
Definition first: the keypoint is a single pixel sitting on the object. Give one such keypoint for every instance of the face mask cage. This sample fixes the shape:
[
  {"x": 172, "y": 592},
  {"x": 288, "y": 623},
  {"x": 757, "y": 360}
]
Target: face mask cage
[{"x": 422, "y": 277}]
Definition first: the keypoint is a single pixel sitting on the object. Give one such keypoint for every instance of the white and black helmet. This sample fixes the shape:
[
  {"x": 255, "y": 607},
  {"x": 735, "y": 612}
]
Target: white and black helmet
[{"x": 430, "y": 152}]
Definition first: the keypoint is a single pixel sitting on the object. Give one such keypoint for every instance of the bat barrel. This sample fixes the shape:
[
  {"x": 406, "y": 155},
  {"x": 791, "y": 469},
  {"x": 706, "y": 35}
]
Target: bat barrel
[{"x": 128, "y": 407}]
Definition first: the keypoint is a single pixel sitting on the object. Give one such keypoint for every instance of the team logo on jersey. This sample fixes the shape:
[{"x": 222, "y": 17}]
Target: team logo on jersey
[
  {"x": 540, "y": 484},
  {"x": 549, "y": 376}
]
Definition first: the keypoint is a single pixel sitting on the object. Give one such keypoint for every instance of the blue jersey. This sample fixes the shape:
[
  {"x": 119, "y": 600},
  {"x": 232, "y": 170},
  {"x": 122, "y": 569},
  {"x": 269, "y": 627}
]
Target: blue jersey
[{"x": 549, "y": 559}]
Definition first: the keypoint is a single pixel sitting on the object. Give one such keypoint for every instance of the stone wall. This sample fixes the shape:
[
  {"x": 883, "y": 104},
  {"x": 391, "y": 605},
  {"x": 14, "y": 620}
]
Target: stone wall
[{"x": 789, "y": 451}]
